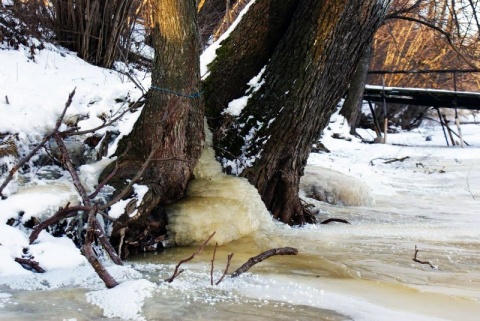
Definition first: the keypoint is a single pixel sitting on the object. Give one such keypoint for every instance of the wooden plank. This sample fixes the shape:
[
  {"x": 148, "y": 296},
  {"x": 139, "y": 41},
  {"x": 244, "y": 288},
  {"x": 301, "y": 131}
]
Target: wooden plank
[{"x": 423, "y": 97}]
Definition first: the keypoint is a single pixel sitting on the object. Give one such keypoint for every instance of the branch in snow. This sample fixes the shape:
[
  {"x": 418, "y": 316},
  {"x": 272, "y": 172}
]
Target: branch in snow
[
  {"x": 60, "y": 215},
  {"x": 30, "y": 262},
  {"x": 421, "y": 262}
]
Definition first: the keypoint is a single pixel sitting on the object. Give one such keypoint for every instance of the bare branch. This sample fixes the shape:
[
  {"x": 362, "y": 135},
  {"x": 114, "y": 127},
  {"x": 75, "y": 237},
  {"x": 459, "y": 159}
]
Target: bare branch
[
  {"x": 213, "y": 260},
  {"x": 30, "y": 262},
  {"x": 139, "y": 174},
  {"x": 446, "y": 35},
  {"x": 100, "y": 234},
  {"x": 263, "y": 256},
  {"x": 71, "y": 169},
  {"x": 88, "y": 252},
  {"x": 404, "y": 10},
  {"x": 421, "y": 262},
  {"x": 60, "y": 215},
  {"x": 229, "y": 259},
  {"x": 177, "y": 271},
  {"x": 106, "y": 124}
]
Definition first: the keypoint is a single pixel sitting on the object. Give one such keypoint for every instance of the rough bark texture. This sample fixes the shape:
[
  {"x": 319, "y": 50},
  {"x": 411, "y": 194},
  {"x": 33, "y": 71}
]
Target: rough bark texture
[
  {"x": 305, "y": 78},
  {"x": 171, "y": 122},
  {"x": 352, "y": 106},
  {"x": 243, "y": 54}
]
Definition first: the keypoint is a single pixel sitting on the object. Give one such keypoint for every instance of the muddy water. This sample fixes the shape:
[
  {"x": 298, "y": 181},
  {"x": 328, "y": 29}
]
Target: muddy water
[{"x": 361, "y": 271}]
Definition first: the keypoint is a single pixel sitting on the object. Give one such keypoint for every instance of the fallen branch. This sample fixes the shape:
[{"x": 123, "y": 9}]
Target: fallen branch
[
  {"x": 263, "y": 256},
  {"x": 339, "y": 220},
  {"x": 177, "y": 271},
  {"x": 88, "y": 252},
  {"x": 100, "y": 234},
  {"x": 30, "y": 262},
  {"x": 389, "y": 160},
  {"x": 71, "y": 169},
  {"x": 60, "y": 215},
  {"x": 421, "y": 262}
]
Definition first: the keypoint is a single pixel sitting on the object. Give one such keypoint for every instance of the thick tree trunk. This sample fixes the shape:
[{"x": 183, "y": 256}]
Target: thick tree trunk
[
  {"x": 305, "y": 78},
  {"x": 171, "y": 122},
  {"x": 244, "y": 53},
  {"x": 352, "y": 106}
]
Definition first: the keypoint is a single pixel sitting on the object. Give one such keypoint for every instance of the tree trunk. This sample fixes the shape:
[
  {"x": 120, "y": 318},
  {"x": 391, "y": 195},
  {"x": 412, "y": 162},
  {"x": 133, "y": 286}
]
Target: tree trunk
[
  {"x": 304, "y": 80},
  {"x": 244, "y": 53},
  {"x": 352, "y": 106},
  {"x": 171, "y": 123}
]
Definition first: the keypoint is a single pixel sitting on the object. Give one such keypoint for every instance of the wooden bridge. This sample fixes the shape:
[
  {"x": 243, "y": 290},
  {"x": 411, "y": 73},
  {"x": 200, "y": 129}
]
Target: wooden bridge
[{"x": 424, "y": 97}]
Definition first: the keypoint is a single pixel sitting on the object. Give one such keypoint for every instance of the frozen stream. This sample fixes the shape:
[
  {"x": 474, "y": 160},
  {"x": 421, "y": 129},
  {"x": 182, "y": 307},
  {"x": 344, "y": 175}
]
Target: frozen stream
[{"x": 361, "y": 271}]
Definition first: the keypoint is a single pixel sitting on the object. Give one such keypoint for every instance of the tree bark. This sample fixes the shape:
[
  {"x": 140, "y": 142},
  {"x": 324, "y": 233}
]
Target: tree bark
[
  {"x": 244, "y": 53},
  {"x": 352, "y": 106},
  {"x": 307, "y": 74},
  {"x": 171, "y": 123}
]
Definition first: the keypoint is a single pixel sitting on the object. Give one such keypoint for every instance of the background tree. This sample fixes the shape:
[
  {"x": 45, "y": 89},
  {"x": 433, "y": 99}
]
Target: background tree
[
  {"x": 169, "y": 132},
  {"x": 420, "y": 35},
  {"x": 312, "y": 59}
]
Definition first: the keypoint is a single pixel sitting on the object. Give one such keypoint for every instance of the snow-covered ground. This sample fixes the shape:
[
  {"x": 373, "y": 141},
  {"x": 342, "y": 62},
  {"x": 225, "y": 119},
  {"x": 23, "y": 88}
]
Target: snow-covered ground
[{"x": 33, "y": 93}]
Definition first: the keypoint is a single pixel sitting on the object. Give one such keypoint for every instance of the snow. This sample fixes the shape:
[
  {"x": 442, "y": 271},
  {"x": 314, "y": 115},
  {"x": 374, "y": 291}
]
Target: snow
[
  {"x": 118, "y": 208},
  {"x": 209, "y": 53},
  {"x": 37, "y": 90},
  {"x": 236, "y": 106},
  {"x": 125, "y": 301},
  {"x": 46, "y": 248}
]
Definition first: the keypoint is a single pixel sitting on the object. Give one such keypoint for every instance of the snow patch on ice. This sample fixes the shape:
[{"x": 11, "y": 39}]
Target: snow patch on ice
[{"x": 125, "y": 301}]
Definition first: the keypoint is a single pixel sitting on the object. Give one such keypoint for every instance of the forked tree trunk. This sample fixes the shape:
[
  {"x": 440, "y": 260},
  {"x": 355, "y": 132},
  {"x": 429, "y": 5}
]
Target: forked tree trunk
[
  {"x": 243, "y": 54},
  {"x": 305, "y": 78},
  {"x": 171, "y": 123}
]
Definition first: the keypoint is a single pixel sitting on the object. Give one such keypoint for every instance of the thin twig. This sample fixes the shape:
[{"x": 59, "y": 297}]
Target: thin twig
[
  {"x": 177, "y": 271},
  {"x": 213, "y": 260},
  {"x": 389, "y": 160},
  {"x": 106, "y": 124},
  {"x": 110, "y": 176},
  {"x": 421, "y": 262},
  {"x": 468, "y": 185},
  {"x": 229, "y": 259},
  {"x": 139, "y": 174}
]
